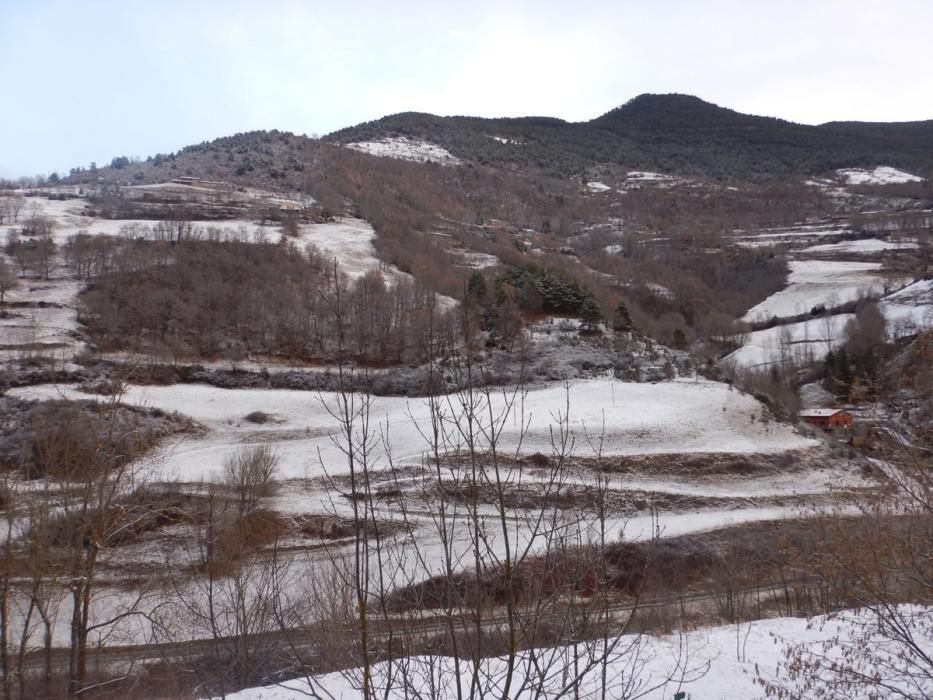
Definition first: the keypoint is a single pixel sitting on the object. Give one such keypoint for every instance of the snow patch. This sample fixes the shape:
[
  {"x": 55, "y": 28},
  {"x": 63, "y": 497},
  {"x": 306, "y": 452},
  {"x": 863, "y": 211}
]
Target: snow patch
[
  {"x": 685, "y": 416},
  {"x": 882, "y": 175},
  {"x": 865, "y": 245},
  {"x": 404, "y": 148},
  {"x": 716, "y": 662},
  {"x": 815, "y": 282}
]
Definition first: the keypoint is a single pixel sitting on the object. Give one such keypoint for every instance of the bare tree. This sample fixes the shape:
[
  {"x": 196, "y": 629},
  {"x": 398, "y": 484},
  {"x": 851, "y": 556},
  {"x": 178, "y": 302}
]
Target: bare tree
[
  {"x": 8, "y": 278},
  {"x": 250, "y": 473}
]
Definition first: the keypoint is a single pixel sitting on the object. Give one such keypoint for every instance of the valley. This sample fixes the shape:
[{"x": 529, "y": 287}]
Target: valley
[{"x": 407, "y": 379}]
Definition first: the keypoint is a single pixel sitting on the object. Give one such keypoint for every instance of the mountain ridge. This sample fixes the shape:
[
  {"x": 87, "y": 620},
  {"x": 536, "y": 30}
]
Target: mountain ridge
[
  {"x": 675, "y": 133},
  {"x": 670, "y": 133}
]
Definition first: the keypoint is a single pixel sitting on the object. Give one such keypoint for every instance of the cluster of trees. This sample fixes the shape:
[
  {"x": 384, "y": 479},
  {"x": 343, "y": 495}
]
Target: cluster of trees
[
  {"x": 10, "y": 208},
  {"x": 667, "y": 133},
  {"x": 854, "y": 370},
  {"x": 228, "y": 298},
  {"x": 34, "y": 255},
  {"x": 529, "y": 291}
]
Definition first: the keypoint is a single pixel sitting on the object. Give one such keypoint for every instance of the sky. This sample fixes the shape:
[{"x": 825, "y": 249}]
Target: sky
[{"x": 91, "y": 80}]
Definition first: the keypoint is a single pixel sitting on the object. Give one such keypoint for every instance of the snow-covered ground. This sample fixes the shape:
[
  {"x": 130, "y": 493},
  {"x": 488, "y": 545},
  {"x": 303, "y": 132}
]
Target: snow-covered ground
[
  {"x": 477, "y": 261},
  {"x": 907, "y": 311},
  {"x": 790, "y": 235},
  {"x": 69, "y": 218},
  {"x": 815, "y": 282},
  {"x": 718, "y": 663},
  {"x": 881, "y": 175},
  {"x": 405, "y": 148},
  {"x": 797, "y": 342},
  {"x": 598, "y": 187},
  {"x": 678, "y": 416},
  {"x": 910, "y": 309},
  {"x": 646, "y": 176},
  {"x": 863, "y": 246},
  {"x": 44, "y": 322},
  {"x": 350, "y": 242}
]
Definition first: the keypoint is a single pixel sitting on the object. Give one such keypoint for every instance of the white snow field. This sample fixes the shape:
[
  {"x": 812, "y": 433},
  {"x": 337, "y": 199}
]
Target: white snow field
[
  {"x": 404, "y": 148},
  {"x": 910, "y": 309},
  {"x": 718, "y": 663},
  {"x": 907, "y": 311},
  {"x": 350, "y": 242},
  {"x": 787, "y": 235},
  {"x": 814, "y": 282},
  {"x": 677, "y": 416},
  {"x": 863, "y": 246},
  {"x": 881, "y": 175},
  {"x": 798, "y": 342},
  {"x": 647, "y": 176},
  {"x": 69, "y": 220},
  {"x": 598, "y": 187}
]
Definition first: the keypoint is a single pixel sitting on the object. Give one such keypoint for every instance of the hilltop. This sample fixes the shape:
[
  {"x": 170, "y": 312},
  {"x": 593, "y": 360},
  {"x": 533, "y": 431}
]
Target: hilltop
[{"x": 673, "y": 134}]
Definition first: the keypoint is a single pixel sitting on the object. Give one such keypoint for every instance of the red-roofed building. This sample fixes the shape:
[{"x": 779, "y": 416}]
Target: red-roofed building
[{"x": 827, "y": 418}]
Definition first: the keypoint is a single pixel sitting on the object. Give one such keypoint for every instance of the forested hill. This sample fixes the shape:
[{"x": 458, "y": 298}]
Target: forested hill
[{"x": 677, "y": 134}]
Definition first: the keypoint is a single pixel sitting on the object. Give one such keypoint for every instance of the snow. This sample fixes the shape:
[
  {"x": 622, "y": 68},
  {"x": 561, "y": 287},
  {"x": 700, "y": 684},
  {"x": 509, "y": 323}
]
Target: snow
[
  {"x": 906, "y": 311},
  {"x": 715, "y": 663},
  {"x": 350, "y": 242},
  {"x": 815, "y": 282},
  {"x": 507, "y": 141},
  {"x": 798, "y": 342},
  {"x": 598, "y": 187},
  {"x": 910, "y": 309},
  {"x": 678, "y": 416},
  {"x": 819, "y": 412},
  {"x": 792, "y": 234},
  {"x": 918, "y": 293},
  {"x": 646, "y": 176},
  {"x": 404, "y": 148},
  {"x": 881, "y": 175},
  {"x": 866, "y": 245},
  {"x": 477, "y": 261}
]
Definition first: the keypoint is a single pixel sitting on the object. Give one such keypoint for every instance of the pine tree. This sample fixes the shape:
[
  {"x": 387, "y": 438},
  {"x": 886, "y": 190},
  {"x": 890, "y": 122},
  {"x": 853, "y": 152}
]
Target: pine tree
[{"x": 621, "y": 320}]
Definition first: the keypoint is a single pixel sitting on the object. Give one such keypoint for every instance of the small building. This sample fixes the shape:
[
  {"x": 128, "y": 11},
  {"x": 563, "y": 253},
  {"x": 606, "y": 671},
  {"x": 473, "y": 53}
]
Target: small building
[{"x": 827, "y": 418}]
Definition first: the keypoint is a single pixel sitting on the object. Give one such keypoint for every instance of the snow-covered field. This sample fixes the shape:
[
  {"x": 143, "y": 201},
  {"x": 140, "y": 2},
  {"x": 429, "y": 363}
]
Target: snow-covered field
[
  {"x": 477, "y": 261},
  {"x": 405, "y": 148},
  {"x": 906, "y": 311},
  {"x": 863, "y": 246},
  {"x": 678, "y": 416},
  {"x": 350, "y": 242},
  {"x": 719, "y": 663},
  {"x": 789, "y": 235},
  {"x": 910, "y": 309},
  {"x": 881, "y": 175},
  {"x": 797, "y": 342},
  {"x": 815, "y": 282}
]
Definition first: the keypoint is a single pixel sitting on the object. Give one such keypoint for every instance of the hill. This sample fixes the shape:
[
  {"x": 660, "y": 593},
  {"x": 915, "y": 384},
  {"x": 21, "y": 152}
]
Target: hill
[{"x": 677, "y": 134}]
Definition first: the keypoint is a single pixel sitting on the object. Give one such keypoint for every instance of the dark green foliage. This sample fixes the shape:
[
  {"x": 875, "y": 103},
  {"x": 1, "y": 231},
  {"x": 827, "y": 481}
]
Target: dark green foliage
[
  {"x": 679, "y": 339},
  {"x": 621, "y": 320},
  {"x": 590, "y": 315},
  {"x": 543, "y": 289},
  {"x": 669, "y": 133},
  {"x": 476, "y": 291}
]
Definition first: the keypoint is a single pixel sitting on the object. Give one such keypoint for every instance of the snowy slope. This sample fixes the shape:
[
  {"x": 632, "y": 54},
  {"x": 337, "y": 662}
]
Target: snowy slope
[
  {"x": 678, "y": 416},
  {"x": 867, "y": 245},
  {"x": 806, "y": 340},
  {"x": 406, "y": 149},
  {"x": 814, "y": 282},
  {"x": 719, "y": 663},
  {"x": 882, "y": 175}
]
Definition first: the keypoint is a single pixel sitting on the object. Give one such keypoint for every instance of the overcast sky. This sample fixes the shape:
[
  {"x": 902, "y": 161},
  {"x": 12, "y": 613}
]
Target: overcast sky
[{"x": 90, "y": 80}]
